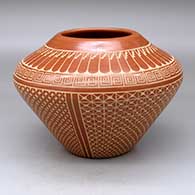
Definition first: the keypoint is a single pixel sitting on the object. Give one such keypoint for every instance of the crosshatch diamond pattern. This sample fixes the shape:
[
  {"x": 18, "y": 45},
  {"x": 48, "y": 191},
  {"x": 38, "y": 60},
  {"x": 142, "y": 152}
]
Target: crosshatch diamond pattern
[
  {"x": 115, "y": 122},
  {"x": 112, "y": 123},
  {"x": 51, "y": 107}
]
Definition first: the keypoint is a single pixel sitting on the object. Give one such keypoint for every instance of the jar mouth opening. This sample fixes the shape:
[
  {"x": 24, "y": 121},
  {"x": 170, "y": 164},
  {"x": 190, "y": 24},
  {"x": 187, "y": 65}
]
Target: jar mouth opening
[
  {"x": 97, "y": 39},
  {"x": 96, "y": 33}
]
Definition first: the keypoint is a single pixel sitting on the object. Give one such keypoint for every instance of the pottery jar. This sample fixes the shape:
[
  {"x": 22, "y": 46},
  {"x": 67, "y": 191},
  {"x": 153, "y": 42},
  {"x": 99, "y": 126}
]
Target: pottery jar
[{"x": 98, "y": 90}]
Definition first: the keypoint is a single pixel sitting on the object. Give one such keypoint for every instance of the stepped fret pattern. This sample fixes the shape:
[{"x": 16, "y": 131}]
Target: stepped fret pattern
[{"x": 81, "y": 69}]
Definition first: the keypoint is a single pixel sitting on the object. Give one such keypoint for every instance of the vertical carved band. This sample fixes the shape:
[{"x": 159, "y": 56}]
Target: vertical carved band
[{"x": 73, "y": 104}]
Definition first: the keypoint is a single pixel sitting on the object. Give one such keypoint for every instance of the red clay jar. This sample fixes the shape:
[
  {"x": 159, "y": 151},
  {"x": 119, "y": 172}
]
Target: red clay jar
[{"x": 98, "y": 90}]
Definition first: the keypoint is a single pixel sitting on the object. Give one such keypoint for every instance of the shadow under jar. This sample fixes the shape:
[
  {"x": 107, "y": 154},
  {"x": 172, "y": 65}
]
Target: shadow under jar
[{"x": 98, "y": 90}]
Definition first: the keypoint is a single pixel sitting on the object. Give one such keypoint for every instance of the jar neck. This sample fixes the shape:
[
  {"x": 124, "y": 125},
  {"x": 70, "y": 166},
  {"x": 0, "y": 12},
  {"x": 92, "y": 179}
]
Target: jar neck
[{"x": 97, "y": 39}]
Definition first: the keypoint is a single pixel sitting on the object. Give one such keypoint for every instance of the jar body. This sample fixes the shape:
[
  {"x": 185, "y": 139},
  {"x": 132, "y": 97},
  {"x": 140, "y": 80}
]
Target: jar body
[{"x": 98, "y": 103}]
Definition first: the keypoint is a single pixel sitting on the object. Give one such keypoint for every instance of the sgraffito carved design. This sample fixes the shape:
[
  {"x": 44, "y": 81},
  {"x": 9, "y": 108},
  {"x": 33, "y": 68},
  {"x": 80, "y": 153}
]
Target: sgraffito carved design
[
  {"x": 99, "y": 80},
  {"x": 98, "y": 96},
  {"x": 40, "y": 68},
  {"x": 98, "y": 125}
]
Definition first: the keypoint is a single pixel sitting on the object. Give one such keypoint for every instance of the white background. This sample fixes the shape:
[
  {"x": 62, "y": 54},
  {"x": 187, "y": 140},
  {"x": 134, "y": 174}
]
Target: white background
[{"x": 33, "y": 162}]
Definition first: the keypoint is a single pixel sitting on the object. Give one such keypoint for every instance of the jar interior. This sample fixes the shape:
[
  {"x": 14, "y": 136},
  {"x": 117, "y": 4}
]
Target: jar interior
[{"x": 95, "y": 34}]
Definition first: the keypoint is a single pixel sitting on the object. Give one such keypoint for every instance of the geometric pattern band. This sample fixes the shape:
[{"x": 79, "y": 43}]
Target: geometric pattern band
[
  {"x": 100, "y": 124},
  {"x": 100, "y": 80},
  {"x": 84, "y": 69}
]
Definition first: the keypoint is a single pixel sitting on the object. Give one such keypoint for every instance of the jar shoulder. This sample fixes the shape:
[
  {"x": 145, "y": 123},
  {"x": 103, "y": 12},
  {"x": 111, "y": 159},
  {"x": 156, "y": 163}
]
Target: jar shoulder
[{"x": 80, "y": 69}]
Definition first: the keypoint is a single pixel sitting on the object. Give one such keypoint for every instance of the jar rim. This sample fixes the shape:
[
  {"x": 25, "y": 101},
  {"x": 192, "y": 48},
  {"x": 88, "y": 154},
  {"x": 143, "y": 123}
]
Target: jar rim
[{"x": 93, "y": 39}]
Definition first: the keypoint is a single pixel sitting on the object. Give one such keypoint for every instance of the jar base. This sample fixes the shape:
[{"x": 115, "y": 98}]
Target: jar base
[{"x": 99, "y": 157}]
